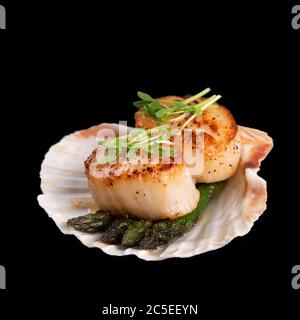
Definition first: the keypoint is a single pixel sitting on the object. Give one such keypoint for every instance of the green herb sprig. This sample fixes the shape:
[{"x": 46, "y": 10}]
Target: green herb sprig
[
  {"x": 155, "y": 141},
  {"x": 178, "y": 110}
]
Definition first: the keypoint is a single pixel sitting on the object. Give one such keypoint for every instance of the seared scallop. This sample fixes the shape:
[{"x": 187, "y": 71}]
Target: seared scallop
[
  {"x": 221, "y": 148},
  {"x": 143, "y": 190}
]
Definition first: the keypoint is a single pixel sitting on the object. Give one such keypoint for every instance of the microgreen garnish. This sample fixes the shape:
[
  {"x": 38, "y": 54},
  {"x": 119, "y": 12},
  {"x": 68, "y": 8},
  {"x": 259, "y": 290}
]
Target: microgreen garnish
[
  {"x": 178, "y": 110},
  {"x": 155, "y": 141}
]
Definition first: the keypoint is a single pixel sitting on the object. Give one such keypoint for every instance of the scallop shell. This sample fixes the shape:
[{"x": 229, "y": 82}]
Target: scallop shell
[{"x": 231, "y": 214}]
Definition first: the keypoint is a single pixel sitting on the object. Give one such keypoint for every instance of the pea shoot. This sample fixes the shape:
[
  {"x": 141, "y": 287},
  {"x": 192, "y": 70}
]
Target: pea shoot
[
  {"x": 155, "y": 141},
  {"x": 175, "y": 111}
]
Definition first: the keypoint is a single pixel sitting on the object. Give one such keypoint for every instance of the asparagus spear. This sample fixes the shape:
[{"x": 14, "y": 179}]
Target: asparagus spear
[
  {"x": 91, "y": 223},
  {"x": 164, "y": 232},
  {"x": 147, "y": 234},
  {"x": 114, "y": 233},
  {"x": 136, "y": 232}
]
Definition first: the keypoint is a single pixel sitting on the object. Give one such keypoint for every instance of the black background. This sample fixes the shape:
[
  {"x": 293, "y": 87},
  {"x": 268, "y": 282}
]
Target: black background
[{"x": 67, "y": 68}]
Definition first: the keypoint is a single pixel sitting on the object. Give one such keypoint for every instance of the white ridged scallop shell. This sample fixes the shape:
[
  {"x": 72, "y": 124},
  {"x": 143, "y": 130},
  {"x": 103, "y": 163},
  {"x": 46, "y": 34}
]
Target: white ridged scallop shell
[{"x": 231, "y": 214}]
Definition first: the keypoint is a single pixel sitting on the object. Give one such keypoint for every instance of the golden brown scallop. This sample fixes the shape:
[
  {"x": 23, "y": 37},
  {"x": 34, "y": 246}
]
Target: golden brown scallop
[
  {"x": 143, "y": 190},
  {"x": 222, "y": 146}
]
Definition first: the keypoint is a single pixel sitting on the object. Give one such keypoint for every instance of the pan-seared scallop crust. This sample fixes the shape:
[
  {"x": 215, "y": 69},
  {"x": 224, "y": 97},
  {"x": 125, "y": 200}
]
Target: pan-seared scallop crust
[
  {"x": 222, "y": 146},
  {"x": 147, "y": 191}
]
